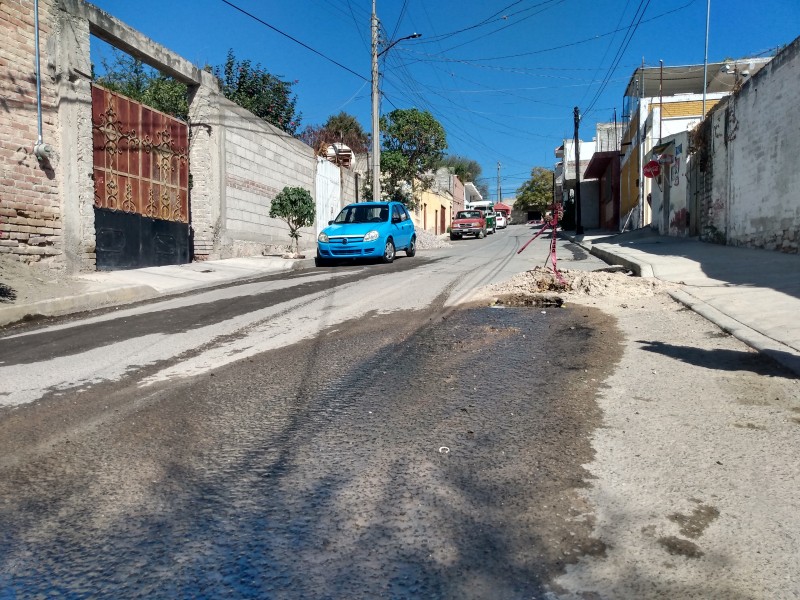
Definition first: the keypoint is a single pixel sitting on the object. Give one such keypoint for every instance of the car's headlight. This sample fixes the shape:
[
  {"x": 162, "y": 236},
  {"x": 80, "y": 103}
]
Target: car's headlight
[
  {"x": 323, "y": 237},
  {"x": 371, "y": 236}
]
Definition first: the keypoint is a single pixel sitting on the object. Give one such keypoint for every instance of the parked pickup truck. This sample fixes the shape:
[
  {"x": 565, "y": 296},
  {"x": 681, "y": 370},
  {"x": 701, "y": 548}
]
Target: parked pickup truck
[
  {"x": 468, "y": 222},
  {"x": 487, "y": 209}
]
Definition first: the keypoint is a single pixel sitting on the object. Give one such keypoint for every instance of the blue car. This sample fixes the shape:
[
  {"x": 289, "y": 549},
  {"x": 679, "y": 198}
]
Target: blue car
[{"x": 367, "y": 230}]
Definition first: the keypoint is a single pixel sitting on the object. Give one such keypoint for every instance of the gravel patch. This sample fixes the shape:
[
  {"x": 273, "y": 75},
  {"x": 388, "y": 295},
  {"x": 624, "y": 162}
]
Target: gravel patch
[{"x": 428, "y": 241}]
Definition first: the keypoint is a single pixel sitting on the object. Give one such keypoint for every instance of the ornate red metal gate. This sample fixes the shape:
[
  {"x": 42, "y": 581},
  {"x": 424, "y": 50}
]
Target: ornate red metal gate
[{"x": 141, "y": 184}]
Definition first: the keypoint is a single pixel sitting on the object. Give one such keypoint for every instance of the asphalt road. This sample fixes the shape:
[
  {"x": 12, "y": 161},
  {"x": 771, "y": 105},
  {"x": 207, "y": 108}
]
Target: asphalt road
[{"x": 350, "y": 432}]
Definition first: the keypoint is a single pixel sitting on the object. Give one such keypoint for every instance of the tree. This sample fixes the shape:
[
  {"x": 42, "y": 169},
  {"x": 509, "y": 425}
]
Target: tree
[
  {"x": 132, "y": 78},
  {"x": 413, "y": 144},
  {"x": 465, "y": 168},
  {"x": 263, "y": 94},
  {"x": 537, "y": 192},
  {"x": 295, "y": 206},
  {"x": 342, "y": 128},
  {"x": 346, "y": 129}
]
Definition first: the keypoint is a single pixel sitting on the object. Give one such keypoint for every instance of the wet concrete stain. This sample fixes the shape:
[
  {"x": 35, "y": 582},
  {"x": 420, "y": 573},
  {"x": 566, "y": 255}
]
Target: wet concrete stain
[
  {"x": 680, "y": 547},
  {"x": 314, "y": 471},
  {"x": 577, "y": 251},
  {"x": 695, "y": 524}
]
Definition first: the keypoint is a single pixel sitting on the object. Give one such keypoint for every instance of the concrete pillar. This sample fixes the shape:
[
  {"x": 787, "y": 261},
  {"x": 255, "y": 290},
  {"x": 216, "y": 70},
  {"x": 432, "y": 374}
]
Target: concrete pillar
[
  {"x": 206, "y": 168},
  {"x": 68, "y": 45}
]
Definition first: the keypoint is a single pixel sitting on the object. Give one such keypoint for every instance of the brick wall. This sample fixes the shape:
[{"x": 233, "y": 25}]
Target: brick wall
[{"x": 30, "y": 208}]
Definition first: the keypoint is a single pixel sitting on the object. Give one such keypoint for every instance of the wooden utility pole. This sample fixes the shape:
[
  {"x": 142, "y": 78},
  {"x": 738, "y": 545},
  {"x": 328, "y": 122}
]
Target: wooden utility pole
[
  {"x": 578, "y": 225},
  {"x": 499, "y": 188}
]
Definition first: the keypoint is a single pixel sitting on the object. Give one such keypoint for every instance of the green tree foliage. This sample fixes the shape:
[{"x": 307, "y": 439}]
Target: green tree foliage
[
  {"x": 413, "y": 144},
  {"x": 537, "y": 192},
  {"x": 342, "y": 128},
  {"x": 132, "y": 78},
  {"x": 295, "y": 206},
  {"x": 263, "y": 94},
  {"x": 465, "y": 168},
  {"x": 346, "y": 129}
]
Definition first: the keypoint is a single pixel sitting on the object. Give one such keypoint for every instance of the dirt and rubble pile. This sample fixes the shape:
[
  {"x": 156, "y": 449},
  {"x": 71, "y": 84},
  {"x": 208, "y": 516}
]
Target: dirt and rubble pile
[{"x": 543, "y": 285}]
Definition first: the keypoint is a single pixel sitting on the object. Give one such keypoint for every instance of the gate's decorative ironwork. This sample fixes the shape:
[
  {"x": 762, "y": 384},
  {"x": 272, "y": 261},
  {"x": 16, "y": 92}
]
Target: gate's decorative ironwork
[{"x": 141, "y": 156}]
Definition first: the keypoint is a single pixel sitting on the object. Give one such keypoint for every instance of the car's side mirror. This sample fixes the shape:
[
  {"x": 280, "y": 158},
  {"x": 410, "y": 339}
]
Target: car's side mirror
[
  {"x": 396, "y": 219},
  {"x": 330, "y": 222}
]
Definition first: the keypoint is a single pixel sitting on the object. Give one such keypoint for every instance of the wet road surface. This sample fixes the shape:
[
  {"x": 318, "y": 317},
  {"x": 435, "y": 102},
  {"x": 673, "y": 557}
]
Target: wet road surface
[{"x": 429, "y": 453}]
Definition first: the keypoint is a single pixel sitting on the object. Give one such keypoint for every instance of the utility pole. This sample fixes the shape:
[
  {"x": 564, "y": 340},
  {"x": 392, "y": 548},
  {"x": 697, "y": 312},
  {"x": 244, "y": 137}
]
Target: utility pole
[
  {"x": 705, "y": 60},
  {"x": 499, "y": 188},
  {"x": 376, "y": 142},
  {"x": 578, "y": 225}
]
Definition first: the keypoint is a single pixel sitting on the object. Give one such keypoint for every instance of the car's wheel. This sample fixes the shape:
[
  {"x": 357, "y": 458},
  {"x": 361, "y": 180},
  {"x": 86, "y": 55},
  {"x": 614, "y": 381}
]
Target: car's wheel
[
  {"x": 412, "y": 247},
  {"x": 453, "y": 236},
  {"x": 481, "y": 234},
  {"x": 321, "y": 262},
  {"x": 388, "y": 251}
]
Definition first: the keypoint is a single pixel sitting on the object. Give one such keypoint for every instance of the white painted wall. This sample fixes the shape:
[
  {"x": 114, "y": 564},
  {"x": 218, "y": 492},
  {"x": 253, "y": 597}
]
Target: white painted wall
[
  {"x": 670, "y": 191},
  {"x": 754, "y": 154},
  {"x": 329, "y": 188},
  {"x": 764, "y": 149}
]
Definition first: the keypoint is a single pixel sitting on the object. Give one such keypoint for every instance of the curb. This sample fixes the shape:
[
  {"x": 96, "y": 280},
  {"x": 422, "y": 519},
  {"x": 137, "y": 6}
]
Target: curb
[
  {"x": 124, "y": 294},
  {"x": 784, "y": 355},
  {"x": 74, "y": 304},
  {"x": 640, "y": 269}
]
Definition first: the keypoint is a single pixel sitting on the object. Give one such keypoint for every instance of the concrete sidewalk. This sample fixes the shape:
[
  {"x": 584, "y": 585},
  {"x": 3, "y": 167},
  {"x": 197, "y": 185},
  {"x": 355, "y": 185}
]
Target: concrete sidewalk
[
  {"x": 752, "y": 294},
  {"x": 89, "y": 291}
]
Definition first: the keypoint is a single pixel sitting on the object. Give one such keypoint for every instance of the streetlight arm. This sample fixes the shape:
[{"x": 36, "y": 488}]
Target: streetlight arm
[{"x": 413, "y": 36}]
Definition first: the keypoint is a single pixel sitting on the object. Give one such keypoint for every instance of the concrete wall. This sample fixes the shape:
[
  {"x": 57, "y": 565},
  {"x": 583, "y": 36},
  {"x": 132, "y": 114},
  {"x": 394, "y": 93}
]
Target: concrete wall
[
  {"x": 752, "y": 143},
  {"x": 259, "y": 161},
  {"x": 458, "y": 195},
  {"x": 764, "y": 148},
  {"x": 237, "y": 162}
]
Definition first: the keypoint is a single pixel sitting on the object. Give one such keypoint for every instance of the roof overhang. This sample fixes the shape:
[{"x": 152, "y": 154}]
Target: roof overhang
[
  {"x": 688, "y": 79},
  {"x": 599, "y": 163}
]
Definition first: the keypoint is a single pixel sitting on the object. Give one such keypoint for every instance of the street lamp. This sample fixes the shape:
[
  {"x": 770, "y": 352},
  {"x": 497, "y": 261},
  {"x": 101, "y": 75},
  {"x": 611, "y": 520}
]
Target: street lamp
[{"x": 376, "y": 146}]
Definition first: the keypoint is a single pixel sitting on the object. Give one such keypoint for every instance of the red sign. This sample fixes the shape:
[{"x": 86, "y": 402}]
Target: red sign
[{"x": 652, "y": 169}]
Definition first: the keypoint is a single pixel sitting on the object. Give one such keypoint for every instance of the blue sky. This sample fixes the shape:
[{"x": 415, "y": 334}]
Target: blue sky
[{"x": 502, "y": 76}]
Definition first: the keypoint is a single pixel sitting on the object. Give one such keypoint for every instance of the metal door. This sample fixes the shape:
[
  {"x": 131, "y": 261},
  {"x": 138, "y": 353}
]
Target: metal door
[{"x": 141, "y": 184}]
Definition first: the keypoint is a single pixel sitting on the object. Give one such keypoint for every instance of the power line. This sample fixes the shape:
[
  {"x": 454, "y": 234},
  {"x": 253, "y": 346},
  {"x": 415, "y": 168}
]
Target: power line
[
  {"x": 553, "y": 48},
  {"x": 620, "y": 51},
  {"x": 295, "y": 40}
]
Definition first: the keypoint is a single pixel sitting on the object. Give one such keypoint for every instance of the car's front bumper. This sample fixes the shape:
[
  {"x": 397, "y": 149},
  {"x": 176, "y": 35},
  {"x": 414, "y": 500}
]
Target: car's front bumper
[
  {"x": 346, "y": 248},
  {"x": 472, "y": 230}
]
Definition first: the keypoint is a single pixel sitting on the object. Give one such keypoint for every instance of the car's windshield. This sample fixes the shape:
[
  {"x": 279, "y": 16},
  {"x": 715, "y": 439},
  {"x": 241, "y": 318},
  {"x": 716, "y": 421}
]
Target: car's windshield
[
  {"x": 363, "y": 213},
  {"x": 468, "y": 214}
]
